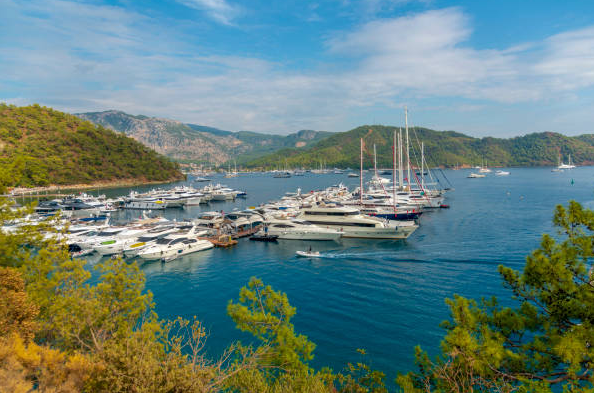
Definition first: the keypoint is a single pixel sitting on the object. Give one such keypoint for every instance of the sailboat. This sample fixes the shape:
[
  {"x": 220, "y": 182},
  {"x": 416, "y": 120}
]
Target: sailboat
[
  {"x": 561, "y": 165},
  {"x": 232, "y": 174}
]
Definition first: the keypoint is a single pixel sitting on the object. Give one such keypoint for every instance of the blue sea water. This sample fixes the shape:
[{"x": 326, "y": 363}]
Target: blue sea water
[{"x": 383, "y": 296}]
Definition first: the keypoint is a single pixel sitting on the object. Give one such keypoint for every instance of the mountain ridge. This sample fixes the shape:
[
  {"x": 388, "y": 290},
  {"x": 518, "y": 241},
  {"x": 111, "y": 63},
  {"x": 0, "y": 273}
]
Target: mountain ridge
[
  {"x": 442, "y": 148},
  {"x": 193, "y": 142}
]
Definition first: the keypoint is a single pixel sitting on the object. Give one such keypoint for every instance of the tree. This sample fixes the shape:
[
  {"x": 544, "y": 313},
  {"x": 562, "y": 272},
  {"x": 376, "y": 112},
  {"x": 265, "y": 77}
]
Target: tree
[{"x": 544, "y": 343}]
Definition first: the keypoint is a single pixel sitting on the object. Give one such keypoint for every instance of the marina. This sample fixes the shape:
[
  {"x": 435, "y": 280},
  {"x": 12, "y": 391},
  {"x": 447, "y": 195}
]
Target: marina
[{"x": 386, "y": 282}]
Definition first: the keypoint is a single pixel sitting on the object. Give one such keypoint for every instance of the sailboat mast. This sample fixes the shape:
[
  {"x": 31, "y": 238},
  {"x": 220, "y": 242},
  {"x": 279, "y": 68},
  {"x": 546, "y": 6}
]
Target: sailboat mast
[
  {"x": 361, "y": 176},
  {"x": 423, "y": 166},
  {"x": 400, "y": 173},
  {"x": 374, "y": 161},
  {"x": 394, "y": 172},
  {"x": 407, "y": 147}
]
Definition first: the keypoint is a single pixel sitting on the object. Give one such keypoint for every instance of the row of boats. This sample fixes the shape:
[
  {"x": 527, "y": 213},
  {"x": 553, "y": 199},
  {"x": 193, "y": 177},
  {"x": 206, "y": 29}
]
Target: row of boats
[
  {"x": 90, "y": 207},
  {"x": 325, "y": 215}
]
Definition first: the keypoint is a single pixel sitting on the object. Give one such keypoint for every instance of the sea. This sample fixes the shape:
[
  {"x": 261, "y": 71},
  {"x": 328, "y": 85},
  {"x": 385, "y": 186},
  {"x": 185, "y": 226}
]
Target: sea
[{"x": 385, "y": 297}]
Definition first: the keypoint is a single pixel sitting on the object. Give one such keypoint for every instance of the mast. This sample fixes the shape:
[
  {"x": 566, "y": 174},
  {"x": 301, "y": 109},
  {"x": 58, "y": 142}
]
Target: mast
[
  {"x": 374, "y": 160},
  {"x": 423, "y": 166},
  {"x": 407, "y": 150},
  {"x": 400, "y": 173},
  {"x": 361, "y": 176},
  {"x": 394, "y": 172}
]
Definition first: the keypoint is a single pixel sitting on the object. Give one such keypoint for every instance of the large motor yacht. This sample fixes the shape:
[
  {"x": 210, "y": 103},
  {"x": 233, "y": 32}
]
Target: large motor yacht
[
  {"x": 175, "y": 245},
  {"x": 352, "y": 223},
  {"x": 300, "y": 230}
]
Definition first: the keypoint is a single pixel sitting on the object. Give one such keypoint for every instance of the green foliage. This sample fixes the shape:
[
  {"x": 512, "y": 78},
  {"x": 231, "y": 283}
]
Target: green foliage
[
  {"x": 541, "y": 345},
  {"x": 266, "y": 314},
  {"x": 445, "y": 148},
  {"x": 40, "y": 146}
]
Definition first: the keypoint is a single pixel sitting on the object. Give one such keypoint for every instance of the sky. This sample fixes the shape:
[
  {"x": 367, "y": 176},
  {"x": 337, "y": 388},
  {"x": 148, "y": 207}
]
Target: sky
[{"x": 486, "y": 68}]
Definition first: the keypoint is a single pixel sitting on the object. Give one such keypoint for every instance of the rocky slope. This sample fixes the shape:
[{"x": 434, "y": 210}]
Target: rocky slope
[{"x": 200, "y": 143}]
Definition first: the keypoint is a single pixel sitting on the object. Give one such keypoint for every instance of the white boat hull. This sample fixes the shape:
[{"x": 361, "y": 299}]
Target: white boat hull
[
  {"x": 183, "y": 249},
  {"x": 145, "y": 205},
  {"x": 302, "y": 235}
]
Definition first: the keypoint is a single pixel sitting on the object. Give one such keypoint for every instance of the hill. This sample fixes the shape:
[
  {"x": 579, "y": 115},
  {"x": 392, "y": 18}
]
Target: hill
[
  {"x": 442, "y": 148},
  {"x": 41, "y": 146},
  {"x": 191, "y": 142}
]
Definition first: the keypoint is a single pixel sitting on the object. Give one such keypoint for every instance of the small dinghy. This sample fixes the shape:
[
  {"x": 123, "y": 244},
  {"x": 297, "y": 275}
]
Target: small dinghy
[{"x": 308, "y": 254}]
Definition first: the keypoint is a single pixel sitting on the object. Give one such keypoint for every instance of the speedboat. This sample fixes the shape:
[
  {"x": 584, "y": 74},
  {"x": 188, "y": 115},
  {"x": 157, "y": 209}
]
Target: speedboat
[
  {"x": 308, "y": 254},
  {"x": 501, "y": 173},
  {"x": 475, "y": 176}
]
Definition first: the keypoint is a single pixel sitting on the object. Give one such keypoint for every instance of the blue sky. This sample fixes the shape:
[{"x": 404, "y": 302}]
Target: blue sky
[{"x": 500, "y": 68}]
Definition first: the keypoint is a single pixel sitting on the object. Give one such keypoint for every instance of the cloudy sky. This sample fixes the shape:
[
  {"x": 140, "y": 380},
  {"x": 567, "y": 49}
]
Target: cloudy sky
[{"x": 500, "y": 68}]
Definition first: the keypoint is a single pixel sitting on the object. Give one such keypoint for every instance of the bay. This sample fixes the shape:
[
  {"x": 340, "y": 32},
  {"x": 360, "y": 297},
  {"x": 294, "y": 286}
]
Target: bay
[{"x": 383, "y": 296}]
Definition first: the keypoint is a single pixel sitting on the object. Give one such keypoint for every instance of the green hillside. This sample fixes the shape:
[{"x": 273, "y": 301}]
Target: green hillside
[
  {"x": 442, "y": 148},
  {"x": 41, "y": 146}
]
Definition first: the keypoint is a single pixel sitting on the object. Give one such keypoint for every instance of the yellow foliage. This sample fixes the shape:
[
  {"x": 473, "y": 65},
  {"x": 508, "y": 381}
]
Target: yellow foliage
[{"x": 24, "y": 366}]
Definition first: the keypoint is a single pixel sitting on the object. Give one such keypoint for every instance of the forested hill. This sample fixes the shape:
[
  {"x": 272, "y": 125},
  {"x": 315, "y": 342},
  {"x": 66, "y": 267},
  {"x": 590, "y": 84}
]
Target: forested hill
[
  {"x": 442, "y": 148},
  {"x": 41, "y": 146}
]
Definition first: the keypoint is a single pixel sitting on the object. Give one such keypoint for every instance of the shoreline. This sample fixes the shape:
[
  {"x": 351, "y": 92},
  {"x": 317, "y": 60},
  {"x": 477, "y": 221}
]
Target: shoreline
[{"x": 96, "y": 185}]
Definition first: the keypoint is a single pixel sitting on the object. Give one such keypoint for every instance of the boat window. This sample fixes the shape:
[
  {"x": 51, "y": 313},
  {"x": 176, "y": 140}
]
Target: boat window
[
  {"x": 146, "y": 238},
  {"x": 109, "y": 233},
  {"x": 163, "y": 241},
  {"x": 188, "y": 241},
  {"x": 178, "y": 240},
  {"x": 345, "y": 224},
  {"x": 282, "y": 226}
]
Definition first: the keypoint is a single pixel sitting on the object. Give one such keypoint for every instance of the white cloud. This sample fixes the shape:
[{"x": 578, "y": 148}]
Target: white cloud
[
  {"x": 219, "y": 10},
  {"x": 86, "y": 57}
]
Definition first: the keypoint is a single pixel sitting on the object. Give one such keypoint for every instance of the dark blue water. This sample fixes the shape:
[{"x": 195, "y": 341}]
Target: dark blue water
[{"x": 383, "y": 296}]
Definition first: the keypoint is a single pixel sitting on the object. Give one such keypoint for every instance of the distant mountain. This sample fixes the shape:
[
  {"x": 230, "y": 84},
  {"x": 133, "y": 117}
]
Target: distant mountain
[
  {"x": 41, "y": 146},
  {"x": 200, "y": 143},
  {"x": 443, "y": 148}
]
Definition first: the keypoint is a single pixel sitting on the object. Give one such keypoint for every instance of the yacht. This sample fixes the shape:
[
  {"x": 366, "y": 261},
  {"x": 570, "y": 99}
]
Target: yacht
[
  {"x": 300, "y": 230},
  {"x": 501, "y": 173},
  {"x": 115, "y": 244},
  {"x": 353, "y": 224},
  {"x": 569, "y": 165},
  {"x": 175, "y": 245},
  {"x": 146, "y": 204},
  {"x": 475, "y": 175},
  {"x": 209, "y": 220},
  {"x": 132, "y": 247}
]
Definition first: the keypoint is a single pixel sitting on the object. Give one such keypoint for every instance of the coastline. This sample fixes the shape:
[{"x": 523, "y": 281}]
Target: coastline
[{"x": 95, "y": 185}]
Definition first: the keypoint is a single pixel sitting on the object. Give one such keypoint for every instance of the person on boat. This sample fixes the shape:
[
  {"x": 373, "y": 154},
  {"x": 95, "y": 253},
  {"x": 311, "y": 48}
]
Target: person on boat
[{"x": 309, "y": 248}]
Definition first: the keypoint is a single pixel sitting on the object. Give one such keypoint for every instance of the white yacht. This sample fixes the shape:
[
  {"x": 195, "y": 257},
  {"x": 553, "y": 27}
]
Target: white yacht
[
  {"x": 146, "y": 204},
  {"x": 475, "y": 175},
  {"x": 209, "y": 220},
  {"x": 115, "y": 244},
  {"x": 352, "y": 223},
  {"x": 300, "y": 230},
  {"x": 175, "y": 245},
  {"x": 501, "y": 173},
  {"x": 569, "y": 165},
  {"x": 131, "y": 247}
]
